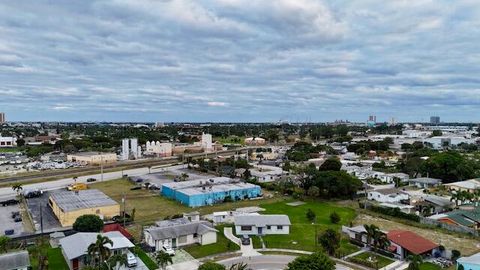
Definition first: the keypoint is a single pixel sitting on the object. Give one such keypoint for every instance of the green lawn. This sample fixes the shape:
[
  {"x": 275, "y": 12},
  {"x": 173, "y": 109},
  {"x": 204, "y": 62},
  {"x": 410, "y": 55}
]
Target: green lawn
[
  {"x": 346, "y": 248},
  {"x": 221, "y": 246},
  {"x": 364, "y": 257},
  {"x": 151, "y": 265},
  {"x": 429, "y": 266},
  {"x": 56, "y": 259},
  {"x": 302, "y": 232}
]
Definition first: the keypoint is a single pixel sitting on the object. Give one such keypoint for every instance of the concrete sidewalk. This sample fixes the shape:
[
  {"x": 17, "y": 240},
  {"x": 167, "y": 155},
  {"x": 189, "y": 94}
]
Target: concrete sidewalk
[{"x": 247, "y": 250}]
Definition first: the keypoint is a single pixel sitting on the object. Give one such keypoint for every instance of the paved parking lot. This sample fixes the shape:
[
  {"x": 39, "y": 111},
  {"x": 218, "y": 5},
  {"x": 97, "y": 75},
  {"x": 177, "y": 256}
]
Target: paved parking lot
[
  {"x": 140, "y": 266},
  {"x": 6, "y": 221},
  {"x": 50, "y": 222}
]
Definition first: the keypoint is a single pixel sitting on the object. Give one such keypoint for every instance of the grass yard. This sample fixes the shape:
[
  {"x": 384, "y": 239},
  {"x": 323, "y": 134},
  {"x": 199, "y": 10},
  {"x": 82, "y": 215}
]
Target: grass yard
[
  {"x": 221, "y": 246},
  {"x": 56, "y": 259},
  {"x": 302, "y": 232},
  {"x": 364, "y": 258},
  {"x": 346, "y": 248},
  {"x": 151, "y": 265},
  {"x": 429, "y": 266},
  {"x": 151, "y": 207}
]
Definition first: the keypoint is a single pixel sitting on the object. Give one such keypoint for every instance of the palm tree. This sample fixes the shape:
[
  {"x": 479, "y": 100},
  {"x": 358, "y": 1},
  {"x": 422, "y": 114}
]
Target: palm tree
[
  {"x": 184, "y": 176},
  {"x": 375, "y": 237},
  {"x": 239, "y": 266},
  {"x": 163, "y": 259},
  {"x": 75, "y": 178},
  {"x": 457, "y": 197},
  {"x": 98, "y": 251},
  {"x": 116, "y": 261},
  {"x": 415, "y": 262},
  {"x": 17, "y": 187}
]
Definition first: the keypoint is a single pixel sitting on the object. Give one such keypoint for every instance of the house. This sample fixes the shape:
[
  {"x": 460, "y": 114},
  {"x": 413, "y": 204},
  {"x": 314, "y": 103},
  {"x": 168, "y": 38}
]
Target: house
[
  {"x": 388, "y": 195},
  {"x": 425, "y": 182},
  {"x": 180, "y": 232},
  {"x": 68, "y": 205},
  {"x": 254, "y": 141},
  {"x": 405, "y": 243},
  {"x": 265, "y": 173},
  {"x": 357, "y": 234},
  {"x": 390, "y": 177},
  {"x": 407, "y": 209},
  {"x": 469, "y": 263},
  {"x": 468, "y": 185},
  {"x": 462, "y": 217},
  {"x": 220, "y": 217},
  {"x": 255, "y": 224},
  {"x": 436, "y": 204},
  {"x": 75, "y": 247},
  {"x": 15, "y": 261},
  {"x": 8, "y": 141}
]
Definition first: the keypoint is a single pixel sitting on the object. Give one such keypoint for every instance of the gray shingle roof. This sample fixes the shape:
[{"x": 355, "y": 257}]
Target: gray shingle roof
[
  {"x": 179, "y": 227},
  {"x": 90, "y": 198},
  {"x": 14, "y": 260},
  {"x": 261, "y": 220}
]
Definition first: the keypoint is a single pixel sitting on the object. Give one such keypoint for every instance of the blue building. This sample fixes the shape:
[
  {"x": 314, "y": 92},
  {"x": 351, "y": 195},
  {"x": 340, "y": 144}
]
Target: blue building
[
  {"x": 210, "y": 191},
  {"x": 469, "y": 263}
]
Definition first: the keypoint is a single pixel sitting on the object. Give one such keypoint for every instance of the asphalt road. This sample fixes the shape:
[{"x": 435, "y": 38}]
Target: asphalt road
[
  {"x": 7, "y": 192},
  {"x": 268, "y": 262}
]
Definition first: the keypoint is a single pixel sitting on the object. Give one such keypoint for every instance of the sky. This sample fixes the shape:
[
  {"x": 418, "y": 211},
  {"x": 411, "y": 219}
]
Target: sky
[{"x": 239, "y": 60}]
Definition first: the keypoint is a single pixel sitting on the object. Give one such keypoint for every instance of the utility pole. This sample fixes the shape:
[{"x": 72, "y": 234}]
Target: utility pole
[
  {"x": 101, "y": 167},
  {"x": 124, "y": 209},
  {"x": 41, "y": 218}
]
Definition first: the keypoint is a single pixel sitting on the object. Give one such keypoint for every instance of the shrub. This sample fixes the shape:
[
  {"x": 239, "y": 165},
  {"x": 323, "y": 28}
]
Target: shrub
[
  {"x": 88, "y": 223},
  {"x": 311, "y": 215},
  {"x": 335, "y": 218}
]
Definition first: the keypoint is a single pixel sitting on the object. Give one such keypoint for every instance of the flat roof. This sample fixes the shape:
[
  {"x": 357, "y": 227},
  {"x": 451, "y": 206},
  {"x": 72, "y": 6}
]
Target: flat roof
[
  {"x": 15, "y": 260},
  {"x": 217, "y": 188},
  {"x": 87, "y": 154},
  {"x": 70, "y": 201},
  {"x": 209, "y": 185}
]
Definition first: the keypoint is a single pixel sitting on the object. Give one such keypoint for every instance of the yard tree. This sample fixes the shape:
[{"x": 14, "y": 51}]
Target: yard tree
[
  {"x": 163, "y": 259},
  {"x": 335, "y": 218},
  {"x": 330, "y": 241},
  {"x": 239, "y": 266},
  {"x": 450, "y": 166},
  {"x": 115, "y": 262},
  {"x": 331, "y": 164},
  {"x": 88, "y": 223},
  {"x": 455, "y": 255},
  {"x": 211, "y": 266},
  {"x": 415, "y": 262},
  {"x": 315, "y": 261},
  {"x": 311, "y": 216},
  {"x": 313, "y": 191},
  {"x": 375, "y": 237},
  {"x": 98, "y": 251},
  {"x": 4, "y": 241}
]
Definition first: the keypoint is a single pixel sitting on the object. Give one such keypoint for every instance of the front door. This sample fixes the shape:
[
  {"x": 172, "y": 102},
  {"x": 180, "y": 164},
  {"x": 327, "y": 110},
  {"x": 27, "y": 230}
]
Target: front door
[
  {"x": 260, "y": 230},
  {"x": 174, "y": 242}
]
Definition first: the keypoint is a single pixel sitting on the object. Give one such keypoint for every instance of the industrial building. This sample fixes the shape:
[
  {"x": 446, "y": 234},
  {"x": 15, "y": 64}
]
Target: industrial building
[
  {"x": 207, "y": 144},
  {"x": 159, "y": 149},
  {"x": 93, "y": 158},
  {"x": 68, "y": 205},
  {"x": 131, "y": 149},
  {"x": 8, "y": 141},
  {"x": 210, "y": 191}
]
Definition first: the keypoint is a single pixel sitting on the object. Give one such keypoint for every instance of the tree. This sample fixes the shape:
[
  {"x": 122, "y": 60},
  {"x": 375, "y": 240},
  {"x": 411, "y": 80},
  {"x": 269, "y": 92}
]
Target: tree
[
  {"x": 211, "y": 266},
  {"x": 184, "y": 176},
  {"x": 4, "y": 241},
  {"x": 375, "y": 237},
  {"x": 331, "y": 164},
  {"x": 315, "y": 261},
  {"x": 17, "y": 187},
  {"x": 313, "y": 191},
  {"x": 415, "y": 262},
  {"x": 98, "y": 251},
  {"x": 116, "y": 261},
  {"x": 335, "y": 218},
  {"x": 20, "y": 142},
  {"x": 330, "y": 241},
  {"x": 436, "y": 133},
  {"x": 311, "y": 216},
  {"x": 455, "y": 255},
  {"x": 88, "y": 223},
  {"x": 239, "y": 266},
  {"x": 163, "y": 259},
  {"x": 450, "y": 166}
]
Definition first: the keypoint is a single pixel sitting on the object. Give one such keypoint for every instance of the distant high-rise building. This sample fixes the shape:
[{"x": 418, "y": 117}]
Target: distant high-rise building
[
  {"x": 434, "y": 120},
  {"x": 372, "y": 118},
  {"x": 130, "y": 148},
  {"x": 207, "y": 144},
  {"x": 2, "y": 118}
]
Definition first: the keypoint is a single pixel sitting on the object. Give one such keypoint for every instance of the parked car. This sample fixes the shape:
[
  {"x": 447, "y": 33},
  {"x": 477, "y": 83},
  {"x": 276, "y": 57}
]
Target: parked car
[
  {"x": 168, "y": 249},
  {"x": 245, "y": 240},
  {"x": 9, "y": 202},
  {"x": 32, "y": 193},
  {"x": 9, "y": 232},
  {"x": 15, "y": 213},
  {"x": 78, "y": 186},
  {"x": 131, "y": 260},
  {"x": 18, "y": 218},
  {"x": 89, "y": 180}
]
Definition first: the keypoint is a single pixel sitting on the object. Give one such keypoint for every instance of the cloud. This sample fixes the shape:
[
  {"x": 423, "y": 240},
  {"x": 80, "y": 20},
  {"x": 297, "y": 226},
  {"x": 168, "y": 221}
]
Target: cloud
[{"x": 224, "y": 60}]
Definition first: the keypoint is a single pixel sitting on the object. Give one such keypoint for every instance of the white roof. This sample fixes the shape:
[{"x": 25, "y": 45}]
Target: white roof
[
  {"x": 261, "y": 220},
  {"x": 467, "y": 184},
  {"x": 224, "y": 213},
  {"x": 474, "y": 259}
]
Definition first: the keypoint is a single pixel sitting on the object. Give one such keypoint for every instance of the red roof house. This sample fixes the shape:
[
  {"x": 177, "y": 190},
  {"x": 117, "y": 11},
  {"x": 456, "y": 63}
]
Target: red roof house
[{"x": 405, "y": 243}]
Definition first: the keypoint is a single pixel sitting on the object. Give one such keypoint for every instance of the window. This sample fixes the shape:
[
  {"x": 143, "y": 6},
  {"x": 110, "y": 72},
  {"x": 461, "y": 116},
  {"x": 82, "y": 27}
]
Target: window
[
  {"x": 269, "y": 227},
  {"x": 246, "y": 228},
  {"x": 182, "y": 239},
  {"x": 195, "y": 235},
  {"x": 279, "y": 227}
]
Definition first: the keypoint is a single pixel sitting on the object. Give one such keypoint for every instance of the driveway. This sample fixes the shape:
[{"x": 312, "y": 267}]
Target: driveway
[
  {"x": 50, "y": 221},
  {"x": 247, "y": 250}
]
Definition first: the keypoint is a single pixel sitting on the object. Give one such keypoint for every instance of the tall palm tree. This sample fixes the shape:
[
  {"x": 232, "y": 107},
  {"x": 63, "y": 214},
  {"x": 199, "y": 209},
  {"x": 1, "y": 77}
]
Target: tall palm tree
[
  {"x": 415, "y": 262},
  {"x": 115, "y": 262},
  {"x": 98, "y": 251},
  {"x": 163, "y": 259},
  {"x": 239, "y": 266},
  {"x": 17, "y": 187},
  {"x": 375, "y": 237},
  {"x": 457, "y": 197}
]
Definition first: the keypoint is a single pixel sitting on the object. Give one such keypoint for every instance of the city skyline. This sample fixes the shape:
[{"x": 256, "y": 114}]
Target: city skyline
[{"x": 223, "y": 61}]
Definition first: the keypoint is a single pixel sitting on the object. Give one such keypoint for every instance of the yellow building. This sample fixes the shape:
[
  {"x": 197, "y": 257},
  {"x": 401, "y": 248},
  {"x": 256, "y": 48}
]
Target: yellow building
[
  {"x": 69, "y": 205},
  {"x": 93, "y": 158}
]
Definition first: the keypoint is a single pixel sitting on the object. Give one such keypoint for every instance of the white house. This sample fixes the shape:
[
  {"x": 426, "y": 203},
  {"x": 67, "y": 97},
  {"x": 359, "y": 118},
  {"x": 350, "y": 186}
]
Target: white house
[
  {"x": 8, "y": 141},
  {"x": 387, "y": 195},
  {"x": 390, "y": 177},
  {"x": 262, "y": 224},
  {"x": 180, "y": 232},
  {"x": 220, "y": 217},
  {"x": 425, "y": 182}
]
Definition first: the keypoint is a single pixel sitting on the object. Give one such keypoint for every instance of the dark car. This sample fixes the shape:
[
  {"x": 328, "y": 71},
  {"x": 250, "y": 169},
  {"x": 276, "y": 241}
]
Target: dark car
[
  {"x": 245, "y": 240},
  {"x": 18, "y": 219},
  {"x": 9, "y": 202},
  {"x": 33, "y": 194},
  {"x": 89, "y": 180},
  {"x": 15, "y": 213}
]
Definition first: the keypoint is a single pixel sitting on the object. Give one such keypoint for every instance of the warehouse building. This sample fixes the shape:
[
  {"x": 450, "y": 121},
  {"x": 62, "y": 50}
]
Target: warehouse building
[
  {"x": 93, "y": 158},
  {"x": 210, "y": 191},
  {"x": 68, "y": 206}
]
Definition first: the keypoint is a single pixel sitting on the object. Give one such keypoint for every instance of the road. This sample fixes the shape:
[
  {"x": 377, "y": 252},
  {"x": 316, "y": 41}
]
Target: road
[
  {"x": 268, "y": 262},
  {"x": 7, "y": 192}
]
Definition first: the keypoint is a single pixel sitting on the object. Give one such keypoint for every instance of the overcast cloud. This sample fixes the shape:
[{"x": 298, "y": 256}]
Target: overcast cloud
[{"x": 239, "y": 60}]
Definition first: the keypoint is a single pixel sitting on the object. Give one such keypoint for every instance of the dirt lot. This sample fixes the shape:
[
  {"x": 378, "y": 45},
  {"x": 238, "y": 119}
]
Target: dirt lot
[{"x": 467, "y": 246}]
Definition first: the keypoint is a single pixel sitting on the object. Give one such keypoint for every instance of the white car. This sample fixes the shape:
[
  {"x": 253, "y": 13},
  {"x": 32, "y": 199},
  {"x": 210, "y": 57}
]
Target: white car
[
  {"x": 169, "y": 250},
  {"x": 131, "y": 260}
]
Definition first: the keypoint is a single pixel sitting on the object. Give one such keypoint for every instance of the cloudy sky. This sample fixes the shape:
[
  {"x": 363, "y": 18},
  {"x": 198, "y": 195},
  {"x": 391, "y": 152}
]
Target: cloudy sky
[{"x": 239, "y": 60}]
